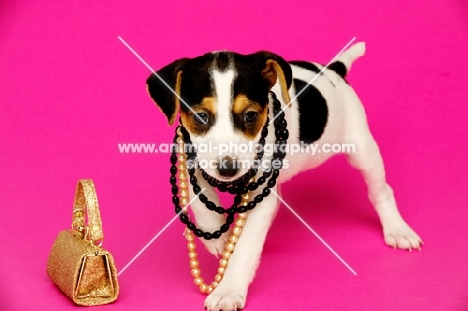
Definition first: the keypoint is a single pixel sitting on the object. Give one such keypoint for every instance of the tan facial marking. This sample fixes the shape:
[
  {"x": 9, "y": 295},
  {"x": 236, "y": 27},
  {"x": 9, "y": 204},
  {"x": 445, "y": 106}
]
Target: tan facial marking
[
  {"x": 208, "y": 103},
  {"x": 242, "y": 105},
  {"x": 208, "y": 106}
]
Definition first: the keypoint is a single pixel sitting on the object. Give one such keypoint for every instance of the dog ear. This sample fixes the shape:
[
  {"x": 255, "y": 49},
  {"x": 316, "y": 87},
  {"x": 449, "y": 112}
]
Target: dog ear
[
  {"x": 161, "y": 88},
  {"x": 276, "y": 68}
]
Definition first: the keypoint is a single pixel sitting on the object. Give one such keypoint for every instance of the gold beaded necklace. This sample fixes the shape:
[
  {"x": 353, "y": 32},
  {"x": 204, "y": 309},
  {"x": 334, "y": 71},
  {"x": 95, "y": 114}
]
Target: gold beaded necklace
[
  {"x": 185, "y": 175},
  {"x": 191, "y": 246}
]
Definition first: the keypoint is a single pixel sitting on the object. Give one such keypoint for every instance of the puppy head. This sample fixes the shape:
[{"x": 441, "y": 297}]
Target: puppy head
[{"x": 223, "y": 103}]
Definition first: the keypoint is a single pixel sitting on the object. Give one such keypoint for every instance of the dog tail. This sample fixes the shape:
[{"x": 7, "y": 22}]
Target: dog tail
[{"x": 343, "y": 63}]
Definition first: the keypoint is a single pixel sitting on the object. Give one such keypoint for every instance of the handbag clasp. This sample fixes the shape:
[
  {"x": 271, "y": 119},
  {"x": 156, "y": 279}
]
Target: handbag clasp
[{"x": 83, "y": 231}]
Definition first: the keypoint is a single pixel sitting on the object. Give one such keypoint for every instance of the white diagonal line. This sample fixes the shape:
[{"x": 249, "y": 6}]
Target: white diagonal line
[
  {"x": 159, "y": 77},
  {"x": 314, "y": 78},
  {"x": 159, "y": 233},
  {"x": 314, "y": 233}
]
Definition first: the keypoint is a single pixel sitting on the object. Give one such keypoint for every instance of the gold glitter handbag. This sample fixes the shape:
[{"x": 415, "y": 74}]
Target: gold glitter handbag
[{"x": 78, "y": 264}]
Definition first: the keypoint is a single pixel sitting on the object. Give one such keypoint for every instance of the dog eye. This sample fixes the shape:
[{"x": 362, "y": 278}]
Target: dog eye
[
  {"x": 201, "y": 116},
  {"x": 250, "y": 116}
]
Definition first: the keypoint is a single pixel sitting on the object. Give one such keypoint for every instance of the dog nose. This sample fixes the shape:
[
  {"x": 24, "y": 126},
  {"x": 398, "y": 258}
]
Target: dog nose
[{"x": 227, "y": 167}]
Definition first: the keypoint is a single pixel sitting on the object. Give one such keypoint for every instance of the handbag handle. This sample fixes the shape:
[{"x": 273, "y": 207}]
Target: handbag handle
[{"x": 86, "y": 216}]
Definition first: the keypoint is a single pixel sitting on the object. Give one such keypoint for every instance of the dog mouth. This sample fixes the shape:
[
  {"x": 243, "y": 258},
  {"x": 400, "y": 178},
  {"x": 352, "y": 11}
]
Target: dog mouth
[
  {"x": 215, "y": 176},
  {"x": 224, "y": 178},
  {"x": 229, "y": 168}
]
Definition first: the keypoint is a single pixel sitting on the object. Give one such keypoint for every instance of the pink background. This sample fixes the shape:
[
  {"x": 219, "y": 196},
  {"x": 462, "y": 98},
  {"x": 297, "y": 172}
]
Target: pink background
[{"x": 71, "y": 91}]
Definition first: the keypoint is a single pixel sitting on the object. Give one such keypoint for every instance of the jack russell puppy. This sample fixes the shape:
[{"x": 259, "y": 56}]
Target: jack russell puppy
[{"x": 227, "y": 100}]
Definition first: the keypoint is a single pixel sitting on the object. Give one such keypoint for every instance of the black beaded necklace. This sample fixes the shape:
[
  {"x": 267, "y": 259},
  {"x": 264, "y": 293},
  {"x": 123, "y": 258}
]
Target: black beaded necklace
[{"x": 237, "y": 187}]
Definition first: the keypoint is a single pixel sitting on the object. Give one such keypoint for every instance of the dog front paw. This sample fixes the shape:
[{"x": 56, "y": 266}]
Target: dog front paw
[
  {"x": 215, "y": 246},
  {"x": 401, "y": 236},
  {"x": 225, "y": 299}
]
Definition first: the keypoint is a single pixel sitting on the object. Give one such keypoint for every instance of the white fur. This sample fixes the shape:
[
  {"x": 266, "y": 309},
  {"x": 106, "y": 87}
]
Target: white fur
[
  {"x": 223, "y": 129},
  {"x": 346, "y": 124}
]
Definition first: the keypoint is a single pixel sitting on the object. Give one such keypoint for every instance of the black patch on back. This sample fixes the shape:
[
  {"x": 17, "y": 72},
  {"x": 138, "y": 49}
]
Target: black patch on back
[
  {"x": 305, "y": 65},
  {"x": 310, "y": 67},
  {"x": 313, "y": 112},
  {"x": 339, "y": 68}
]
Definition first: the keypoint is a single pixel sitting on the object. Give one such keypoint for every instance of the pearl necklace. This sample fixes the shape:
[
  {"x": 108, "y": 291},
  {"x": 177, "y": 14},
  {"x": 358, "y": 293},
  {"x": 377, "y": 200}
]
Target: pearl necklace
[
  {"x": 223, "y": 262},
  {"x": 191, "y": 246},
  {"x": 241, "y": 203}
]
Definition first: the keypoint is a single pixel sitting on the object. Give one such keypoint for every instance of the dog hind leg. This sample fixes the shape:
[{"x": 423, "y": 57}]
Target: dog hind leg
[{"x": 367, "y": 158}]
